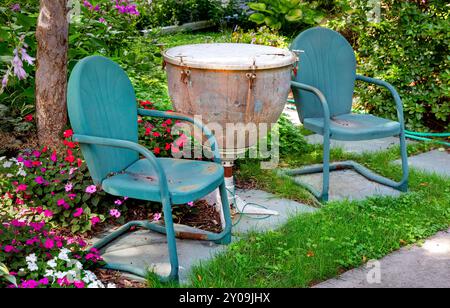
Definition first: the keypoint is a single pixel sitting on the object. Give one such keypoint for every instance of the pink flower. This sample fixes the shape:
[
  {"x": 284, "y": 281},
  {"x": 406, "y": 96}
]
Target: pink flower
[
  {"x": 40, "y": 180},
  {"x": 8, "y": 248},
  {"x": 95, "y": 220},
  {"x": 118, "y": 202},
  {"x": 30, "y": 284},
  {"x": 115, "y": 213},
  {"x": 53, "y": 157},
  {"x": 68, "y": 187},
  {"x": 61, "y": 202},
  {"x": 44, "y": 281},
  {"x": 157, "y": 217},
  {"x": 191, "y": 204},
  {"x": 79, "y": 284},
  {"x": 49, "y": 243},
  {"x": 78, "y": 212},
  {"x": 91, "y": 189},
  {"x": 21, "y": 187},
  {"x": 48, "y": 213},
  {"x": 36, "y": 154}
]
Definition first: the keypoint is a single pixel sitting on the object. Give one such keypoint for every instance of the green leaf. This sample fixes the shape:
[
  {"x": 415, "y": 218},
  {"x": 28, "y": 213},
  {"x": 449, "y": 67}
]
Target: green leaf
[
  {"x": 75, "y": 228},
  {"x": 294, "y": 15},
  {"x": 273, "y": 22},
  {"x": 257, "y": 6},
  {"x": 258, "y": 18}
]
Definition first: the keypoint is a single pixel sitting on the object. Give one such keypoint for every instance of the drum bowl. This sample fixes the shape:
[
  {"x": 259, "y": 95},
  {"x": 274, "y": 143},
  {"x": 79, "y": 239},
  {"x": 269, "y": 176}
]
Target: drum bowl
[{"x": 232, "y": 103}]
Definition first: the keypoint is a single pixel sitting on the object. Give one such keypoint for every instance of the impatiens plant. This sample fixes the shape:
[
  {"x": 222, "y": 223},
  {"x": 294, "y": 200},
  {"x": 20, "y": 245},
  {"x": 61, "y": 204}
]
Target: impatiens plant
[
  {"x": 38, "y": 258},
  {"x": 51, "y": 186}
]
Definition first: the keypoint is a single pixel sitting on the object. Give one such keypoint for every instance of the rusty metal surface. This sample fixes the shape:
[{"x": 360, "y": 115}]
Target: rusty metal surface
[{"x": 222, "y": 97}]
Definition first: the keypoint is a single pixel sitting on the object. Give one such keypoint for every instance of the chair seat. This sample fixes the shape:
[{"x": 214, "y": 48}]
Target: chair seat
[
  {"x": 188, "y": 180},
  {"x": 353, "y": 127}
]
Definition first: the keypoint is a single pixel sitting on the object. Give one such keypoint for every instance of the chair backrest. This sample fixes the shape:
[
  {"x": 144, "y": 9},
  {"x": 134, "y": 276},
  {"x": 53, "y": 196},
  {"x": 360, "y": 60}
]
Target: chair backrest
[
  {"x": 328, "y": 64},
  {"x": 102, "y": 103}
]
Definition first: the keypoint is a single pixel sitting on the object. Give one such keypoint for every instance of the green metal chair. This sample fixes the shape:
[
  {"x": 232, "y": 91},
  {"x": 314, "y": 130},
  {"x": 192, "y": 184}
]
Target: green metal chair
[
  {"x": 323, "y": 90},
  {"x": 104, "y": 116}
]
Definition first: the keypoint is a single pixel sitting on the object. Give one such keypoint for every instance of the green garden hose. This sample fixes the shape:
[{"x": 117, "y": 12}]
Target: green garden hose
[{"x": 419, "y": 136}]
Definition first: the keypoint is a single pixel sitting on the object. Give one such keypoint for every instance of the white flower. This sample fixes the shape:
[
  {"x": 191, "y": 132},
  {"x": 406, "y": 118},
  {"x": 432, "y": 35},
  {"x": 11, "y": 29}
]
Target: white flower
[
  {"x": 63, "y": 256},
  {"x": 32, "y": 267},
  {"x": 79, "y": 265},
  {"x": 7, "y": 164},
  {"x": 52, "y": 263},
  {"x": 22, "y": 172},
  {"x": 49, "y": 273},
  {"x": 111, "y": 286},
  {"x": 9, "y": 175},
  {"x": 60, "y": 275},
  {"x": 31, "y": 258},
  {"x": 2, "y": 158}
]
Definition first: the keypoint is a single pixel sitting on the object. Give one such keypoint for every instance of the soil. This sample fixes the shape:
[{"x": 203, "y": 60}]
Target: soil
[
  {"x": 11, "y": 144},
  {"x": 107, "y": 276}
]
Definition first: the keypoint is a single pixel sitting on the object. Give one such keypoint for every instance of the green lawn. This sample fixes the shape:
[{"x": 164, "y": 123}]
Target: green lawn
[{"x": 342, "y": 235}]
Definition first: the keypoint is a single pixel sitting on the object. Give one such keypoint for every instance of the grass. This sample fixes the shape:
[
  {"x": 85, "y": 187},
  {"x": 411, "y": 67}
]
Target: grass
[{"x": 342, "y": 235}]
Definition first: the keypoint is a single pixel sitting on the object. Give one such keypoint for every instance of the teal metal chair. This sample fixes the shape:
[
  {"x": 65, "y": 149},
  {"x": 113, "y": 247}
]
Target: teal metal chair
[
  {"x": 323, "y": 90},
  {"x": 104, "y": 116}
]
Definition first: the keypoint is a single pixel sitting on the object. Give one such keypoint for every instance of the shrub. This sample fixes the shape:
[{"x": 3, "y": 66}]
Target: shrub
[
  {"x": 408, "y": 48},
  {"x": 262, "y": 36}
]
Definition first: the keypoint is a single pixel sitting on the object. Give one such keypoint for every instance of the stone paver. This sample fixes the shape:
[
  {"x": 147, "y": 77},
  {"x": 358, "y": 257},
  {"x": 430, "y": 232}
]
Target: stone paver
[
  {"x": 434, "y": 162},
  {"x": 357, "y": 147},
  {"x": 148, "y": 249},
  {"x": 286, "y": 208},
  {"x": 427, "y": 266},
  {"x": 348, "y": 184}
]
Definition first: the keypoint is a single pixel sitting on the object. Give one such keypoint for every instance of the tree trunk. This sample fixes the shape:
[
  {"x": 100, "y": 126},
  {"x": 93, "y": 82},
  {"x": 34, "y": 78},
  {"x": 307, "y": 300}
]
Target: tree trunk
[{"x": 51, "y": 76}]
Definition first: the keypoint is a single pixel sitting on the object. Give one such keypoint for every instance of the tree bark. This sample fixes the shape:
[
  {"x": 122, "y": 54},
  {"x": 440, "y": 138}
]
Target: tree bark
[{"x": 51, "y": 76}]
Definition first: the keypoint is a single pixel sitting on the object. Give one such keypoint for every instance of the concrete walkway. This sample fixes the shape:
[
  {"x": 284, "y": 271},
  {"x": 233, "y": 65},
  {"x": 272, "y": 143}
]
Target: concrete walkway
[{"x": 426, "y": 266}]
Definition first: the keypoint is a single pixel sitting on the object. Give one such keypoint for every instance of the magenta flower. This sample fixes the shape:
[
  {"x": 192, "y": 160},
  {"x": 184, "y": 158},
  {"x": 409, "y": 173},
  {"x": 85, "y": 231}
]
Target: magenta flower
[
  {"x": 21, "y": 187},
  {"x": 78, "y": 212},
  {"x": 191, "y": 204},
  {"x": 79, "y": 284},
  {"x": 115, "y": 213},
  {"x": 44, "y": 281},
  {"x": 8, "y": 248},
  {"x": 48, "y": 213},
  {"x": 53, "y": 157},
  {"x": 95, "y": 220},
  {"x": 157, "y": 217},
  {"x": 91, "y": 189},
  {"x": 61, "y": 202},
  {"x": 40, "y": 180},
  {"x": 118, "y": 202},
  {"x": 49, "y": 243}
]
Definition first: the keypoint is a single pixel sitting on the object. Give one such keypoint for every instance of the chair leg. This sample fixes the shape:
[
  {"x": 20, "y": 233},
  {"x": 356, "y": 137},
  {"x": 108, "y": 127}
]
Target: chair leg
[
  {"x": 171, "y": 241},
  {"x": 226, "y": 239},
  {"x": 405, "y": 167},
  {"x": 326, "y": 169}
]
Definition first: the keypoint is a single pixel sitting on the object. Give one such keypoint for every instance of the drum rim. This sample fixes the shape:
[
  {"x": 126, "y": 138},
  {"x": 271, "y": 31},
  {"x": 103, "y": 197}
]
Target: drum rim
[{"x": 288, "y": 60}]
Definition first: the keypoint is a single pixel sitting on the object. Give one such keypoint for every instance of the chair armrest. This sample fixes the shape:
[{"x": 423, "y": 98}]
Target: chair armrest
[
  {"x": 177, "y": 116},
  {"x": 124, "y": 144},
  {"x": 395, "y": 95},
  {"x": 323, "y": 101}
]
